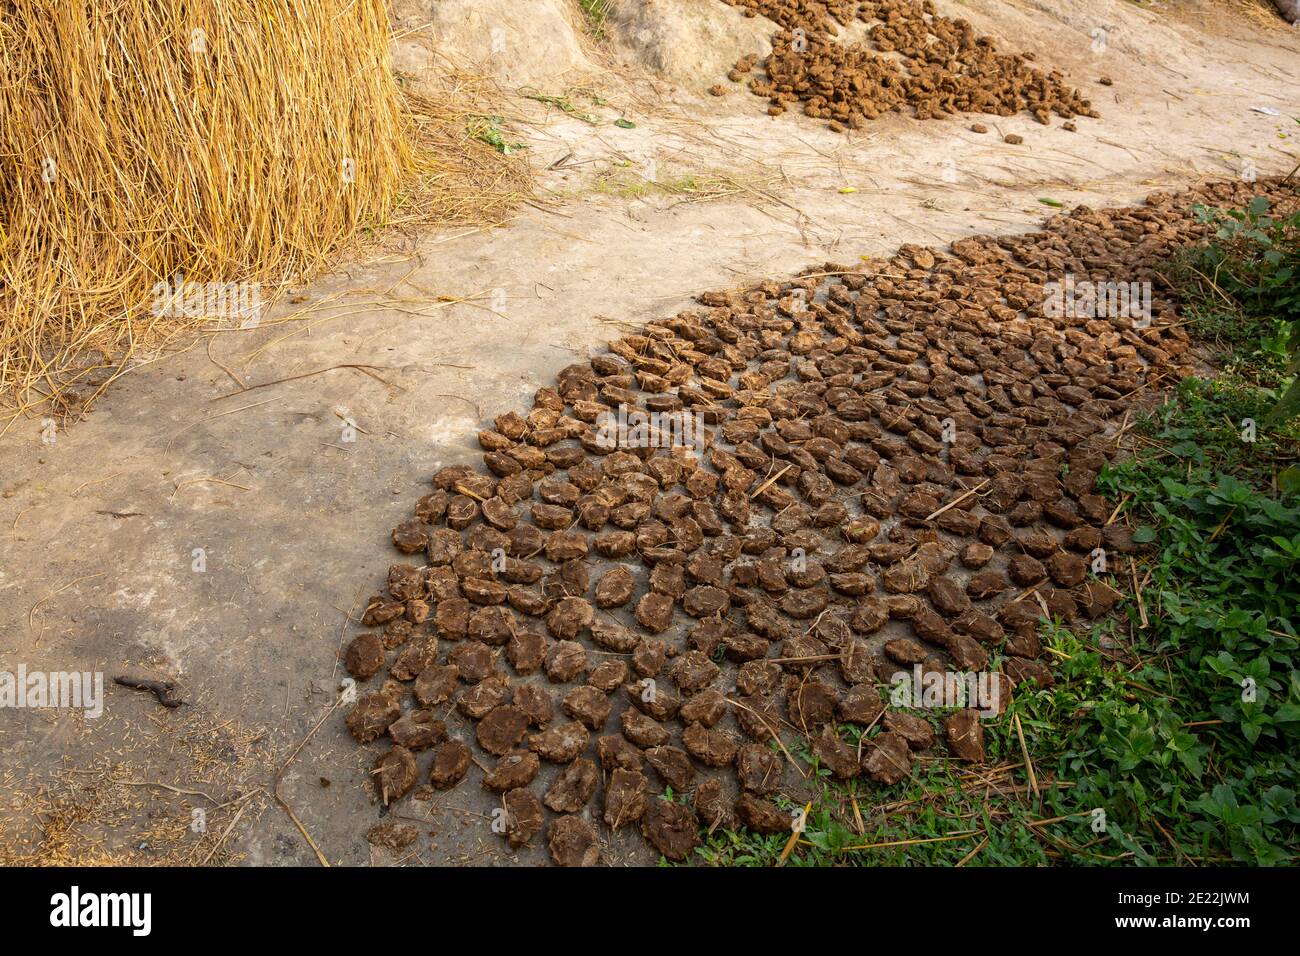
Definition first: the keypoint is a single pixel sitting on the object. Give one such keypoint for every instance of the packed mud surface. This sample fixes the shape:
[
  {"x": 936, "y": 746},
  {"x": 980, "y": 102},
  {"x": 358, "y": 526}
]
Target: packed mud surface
[
  {"x": 911, "y": 59},
  {"x": 702, "y": 555}
]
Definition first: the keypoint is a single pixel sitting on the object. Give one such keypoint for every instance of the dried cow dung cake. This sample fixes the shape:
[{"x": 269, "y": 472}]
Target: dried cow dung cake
[{"x": 572, "y": 842}]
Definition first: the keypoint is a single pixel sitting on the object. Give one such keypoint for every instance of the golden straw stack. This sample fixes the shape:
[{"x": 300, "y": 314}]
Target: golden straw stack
[{"x": 216, "y": 141}]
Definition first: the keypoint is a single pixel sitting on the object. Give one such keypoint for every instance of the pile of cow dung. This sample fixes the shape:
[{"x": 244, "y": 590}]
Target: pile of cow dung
[
  {"x": 899, "y": 471},
  {"x": 917, "y": 59}
]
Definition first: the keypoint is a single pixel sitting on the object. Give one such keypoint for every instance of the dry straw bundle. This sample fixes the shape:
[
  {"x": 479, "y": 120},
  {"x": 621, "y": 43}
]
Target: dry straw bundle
[{"x": 147, "y": 142}]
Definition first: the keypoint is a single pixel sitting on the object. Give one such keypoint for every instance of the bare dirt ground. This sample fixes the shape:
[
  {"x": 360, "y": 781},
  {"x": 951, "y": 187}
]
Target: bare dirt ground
[{"x": 212, "y": 523}]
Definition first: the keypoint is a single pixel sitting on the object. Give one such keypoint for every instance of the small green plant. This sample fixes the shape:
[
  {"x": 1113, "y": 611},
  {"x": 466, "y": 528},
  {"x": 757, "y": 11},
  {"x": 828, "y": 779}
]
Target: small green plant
[
  {"x": 563, "y": 103},
  {"x": 487, "y": 129},
  {"x": 1214, "y": 756},
  {"x": 595, "y": 12},
  {"x": 1243, "y": 289}
]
